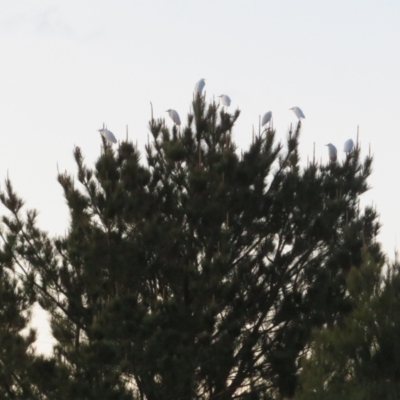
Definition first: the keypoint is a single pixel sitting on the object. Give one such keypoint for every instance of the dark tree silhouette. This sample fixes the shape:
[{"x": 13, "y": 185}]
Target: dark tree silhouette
[{"x": 201, "y": 273}]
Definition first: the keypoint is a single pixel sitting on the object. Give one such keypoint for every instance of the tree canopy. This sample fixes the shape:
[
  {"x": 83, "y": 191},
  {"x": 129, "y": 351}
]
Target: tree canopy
[
  {"x": 197, "y": 273},
  {"x": 360, "y": 357}
]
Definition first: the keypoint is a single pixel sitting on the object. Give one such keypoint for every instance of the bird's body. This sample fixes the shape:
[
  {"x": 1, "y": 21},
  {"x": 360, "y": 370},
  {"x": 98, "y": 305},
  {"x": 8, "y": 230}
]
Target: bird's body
[
  {"x": 299, "y": 114},
  {"x": 174, "y": 116},
  {"x": 266, "y": 118},
  {"x": 332, "y": 152},
  {"x": 225, "y": 100},
  {"x": 348, "y": 146},
  {"x": 108, "y": 135},
  {"x": 200, "y": 86}
]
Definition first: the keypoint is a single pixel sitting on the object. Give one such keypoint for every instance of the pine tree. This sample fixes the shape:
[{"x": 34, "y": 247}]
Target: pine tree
[
  {"x": 360, "y": 357},
  {"x": 14, "y": 349},
  {"x": 200, "y": 273},
  {"x": 19, "y": 366}
]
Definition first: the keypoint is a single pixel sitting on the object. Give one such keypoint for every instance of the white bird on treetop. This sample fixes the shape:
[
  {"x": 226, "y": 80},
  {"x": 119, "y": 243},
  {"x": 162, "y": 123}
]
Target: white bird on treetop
[
  {"x": 174, "y": 116},
  {"x": 332, "y": 152},
  {"x": 298, "y": 112},
  {"x": 348, "y": 146},
  {"x": 108, "y": 135},
  {"x": 200, "y": 86},
  {"x": 266, "y": 118},
  {"x": 225, "y": 100}
]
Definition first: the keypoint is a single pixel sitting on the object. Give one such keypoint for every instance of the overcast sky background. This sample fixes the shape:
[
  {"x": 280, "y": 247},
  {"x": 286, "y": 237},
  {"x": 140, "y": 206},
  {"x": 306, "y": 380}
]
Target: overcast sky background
[{"x": 68, "y": 66}]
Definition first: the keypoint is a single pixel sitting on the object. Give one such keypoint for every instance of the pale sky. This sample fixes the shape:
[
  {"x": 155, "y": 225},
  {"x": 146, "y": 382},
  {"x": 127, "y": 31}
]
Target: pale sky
[{"x": 69, "y": 66}]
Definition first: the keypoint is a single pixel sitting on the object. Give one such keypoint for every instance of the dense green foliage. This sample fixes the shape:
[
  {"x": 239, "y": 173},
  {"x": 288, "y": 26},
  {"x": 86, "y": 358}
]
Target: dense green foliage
[
  {"x": 359, "y": 358},
  {"x": 199, "y": 274},
  {"x": 14, "y": 353}
]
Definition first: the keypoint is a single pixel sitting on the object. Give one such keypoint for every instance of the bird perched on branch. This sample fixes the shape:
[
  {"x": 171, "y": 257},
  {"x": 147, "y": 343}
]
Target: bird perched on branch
[
  {"x": 332, "y": 152},
  {"x": 266, "y": 118},
  {"x": 174, "y": 116},
  {"x": 200, "y": 86},
  {"x": 299, "y": 114},
  {"x": 348, "y": 146},
  {"x": 225, "y": 100},
  {"x": 108, "y": 135}
]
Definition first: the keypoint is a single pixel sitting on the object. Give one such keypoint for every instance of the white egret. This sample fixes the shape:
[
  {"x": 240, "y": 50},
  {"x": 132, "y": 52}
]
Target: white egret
[
  {"x": 332, "y": 152},
  {"x": 266, "y": 118},
  {"x": 108, "y": 135},
  {"x": 348, "y": 146},
  {"x": 298, "y": 112},
  {"x": 200, "y": 86},
  {"x": 225, "y": 100},
  {"x": 174, "y": 116}
]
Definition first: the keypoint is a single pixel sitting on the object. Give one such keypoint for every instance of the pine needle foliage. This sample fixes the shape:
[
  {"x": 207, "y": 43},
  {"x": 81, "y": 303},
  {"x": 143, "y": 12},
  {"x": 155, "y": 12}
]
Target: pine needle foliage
[
  {"x": 199, "y": 272},
  {"x": 359, "y": 358}
]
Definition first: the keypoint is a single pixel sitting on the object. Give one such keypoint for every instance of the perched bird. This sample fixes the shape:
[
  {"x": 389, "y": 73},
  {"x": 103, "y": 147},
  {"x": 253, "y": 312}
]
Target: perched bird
[
  {"x": 266, "y": 118},
  {"x": 225, "y": 100},
  {"x": 174, "y": 116},
  {"x": 108, "y": 135},
  {"x": 348, "y": 146},
  {"x": 200, "y": 86},
  {"x": 298, "y": 112},
  {"x": 332, "y": 152}
]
